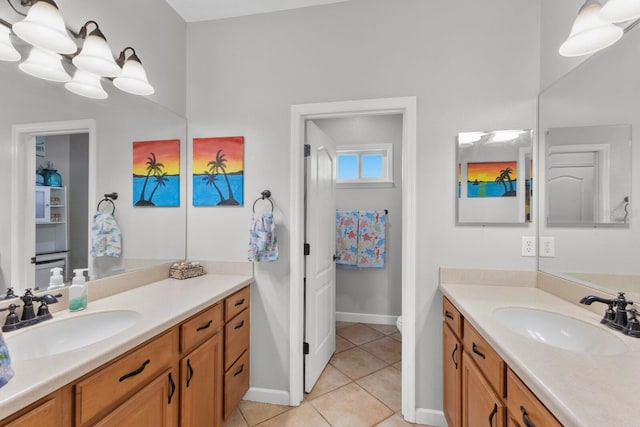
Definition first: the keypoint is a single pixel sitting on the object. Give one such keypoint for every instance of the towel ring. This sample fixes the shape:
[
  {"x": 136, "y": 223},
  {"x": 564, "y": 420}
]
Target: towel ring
[
  {"x": 109, "y": 198},
  {"x": 266, "y": 195}
]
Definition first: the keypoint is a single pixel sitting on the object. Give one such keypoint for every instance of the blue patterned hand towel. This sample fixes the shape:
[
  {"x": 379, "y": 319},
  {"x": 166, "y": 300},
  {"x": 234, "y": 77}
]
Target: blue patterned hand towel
[
  {"x": 346, "y": 237},
  {"x": 371, "y": 238},
  {"x": 106, "y": 239},
  {"x": 263, "y": 245}
]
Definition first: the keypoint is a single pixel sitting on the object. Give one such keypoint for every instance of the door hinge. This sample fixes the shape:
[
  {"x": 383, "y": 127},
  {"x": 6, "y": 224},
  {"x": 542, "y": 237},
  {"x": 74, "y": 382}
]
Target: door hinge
[
  {"x": 307, "y": 150},
  {"x": 307, "y": 249},
  {"x": 305, "y": 348}
]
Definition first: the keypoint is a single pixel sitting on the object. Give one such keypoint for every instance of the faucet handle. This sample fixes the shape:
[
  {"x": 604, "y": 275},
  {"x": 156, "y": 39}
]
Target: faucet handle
[
  {"x": 12, "y": 317},
  {"x": 622, "y": 301},
  {"x": 633, "y": 326},
  {"x": 9, "y": 294}
]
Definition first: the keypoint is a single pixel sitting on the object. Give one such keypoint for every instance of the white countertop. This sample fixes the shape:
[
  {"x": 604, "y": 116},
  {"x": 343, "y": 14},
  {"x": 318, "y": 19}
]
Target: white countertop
[
  {"x": 581, "y": 390},
  {"x": 161, "y": 304}
]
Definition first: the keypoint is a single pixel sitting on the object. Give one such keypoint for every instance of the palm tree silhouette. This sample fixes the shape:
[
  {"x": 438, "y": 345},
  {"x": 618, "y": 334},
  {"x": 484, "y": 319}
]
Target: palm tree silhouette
[
  {"x": 155, "y": 168},
  {"x": 500, "y": 180},
  {"x": 506, "y": 173},
  {"x": 161, "y": 181},
  {"x": 210, "y": 179},
  {"x": 220, "y": 164}
]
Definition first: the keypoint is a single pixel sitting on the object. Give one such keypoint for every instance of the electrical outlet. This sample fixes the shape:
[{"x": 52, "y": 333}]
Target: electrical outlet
[
  {"x": 547, "y": 247},
  {"x": 528, "y": 246}
]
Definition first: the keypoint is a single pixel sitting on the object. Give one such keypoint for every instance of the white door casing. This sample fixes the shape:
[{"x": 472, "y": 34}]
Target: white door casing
[{"x": 320, "y": 268}]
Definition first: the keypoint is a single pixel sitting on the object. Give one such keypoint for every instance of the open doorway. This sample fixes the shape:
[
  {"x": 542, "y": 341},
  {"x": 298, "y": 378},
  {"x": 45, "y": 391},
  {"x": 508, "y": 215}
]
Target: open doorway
[{"x": 406, "y": 108}]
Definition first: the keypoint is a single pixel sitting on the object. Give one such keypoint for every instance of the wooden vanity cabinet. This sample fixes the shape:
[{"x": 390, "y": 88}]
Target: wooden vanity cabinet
[
  {"x": 53, "y": 410},
  {"x": 480, "y": 403},
  {"x": 524, "y": 407},
  {"x": 236, "y": 349},
  {"x": 451, "y": 364}
]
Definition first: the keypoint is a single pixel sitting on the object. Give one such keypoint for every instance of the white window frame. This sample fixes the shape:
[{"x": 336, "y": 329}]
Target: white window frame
[{"x": 387, "y": 165}]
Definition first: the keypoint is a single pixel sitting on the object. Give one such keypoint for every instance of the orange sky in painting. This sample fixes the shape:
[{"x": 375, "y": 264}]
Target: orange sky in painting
[
  {"x": 167, "y": 152},
  {"x": 489, "y": 171},
  {"x": 205, "y": 149}
]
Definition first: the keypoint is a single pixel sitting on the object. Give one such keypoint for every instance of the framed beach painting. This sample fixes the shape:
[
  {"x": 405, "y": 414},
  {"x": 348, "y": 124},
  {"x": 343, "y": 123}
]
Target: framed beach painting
[
  {"x": 218, "y": 171},
  {"x": 156, "y": 173},
  {"x": 492, "y": 179}
]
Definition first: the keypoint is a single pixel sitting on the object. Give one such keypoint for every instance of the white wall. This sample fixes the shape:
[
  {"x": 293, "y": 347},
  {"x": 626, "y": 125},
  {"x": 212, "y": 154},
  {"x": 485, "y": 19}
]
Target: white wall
[
  {"x": 472, "y": 65},
  {"x": 372, "y": 290}
]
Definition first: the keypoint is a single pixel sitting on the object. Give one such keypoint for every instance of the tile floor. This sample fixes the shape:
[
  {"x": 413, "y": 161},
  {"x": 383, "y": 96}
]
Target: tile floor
[{"x": 359, "y": 387}]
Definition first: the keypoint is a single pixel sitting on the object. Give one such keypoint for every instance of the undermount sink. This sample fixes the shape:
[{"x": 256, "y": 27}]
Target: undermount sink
[
  {"x": 559, "y": 331},
  {"x": 59, "y": 336}
]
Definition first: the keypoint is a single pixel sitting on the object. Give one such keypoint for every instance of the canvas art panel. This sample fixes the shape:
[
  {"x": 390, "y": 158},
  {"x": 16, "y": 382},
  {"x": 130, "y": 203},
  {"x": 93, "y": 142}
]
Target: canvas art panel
[
  {"x": 156, "y": 173},
  {"x": 492, "y": 179},
  {"x": 218, "y": 171}
]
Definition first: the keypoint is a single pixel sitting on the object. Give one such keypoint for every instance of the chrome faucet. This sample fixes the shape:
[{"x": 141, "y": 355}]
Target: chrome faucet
[
  {"x": 617, "y": 319},
  {"x": 29, "y": 316}
]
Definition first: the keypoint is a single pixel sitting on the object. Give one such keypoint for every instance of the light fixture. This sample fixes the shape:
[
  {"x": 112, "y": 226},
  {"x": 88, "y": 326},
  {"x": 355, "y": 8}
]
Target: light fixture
[
  {"x": 7, "y": 51},
  {"x": 45, "y": 65},
  {"x": 620, "y": 10},
  {"x": 86, "y": 84},
  {"x": 133, "y": 78},
  {"x": 44, "y": 27},
  {"x": 590, "y": 32},
  {"x": 95, "y": 56}
]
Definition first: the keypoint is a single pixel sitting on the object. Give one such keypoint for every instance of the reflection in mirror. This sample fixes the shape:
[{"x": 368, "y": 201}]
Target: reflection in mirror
[
  {"x": 588, "y": 175},
  {"x": 494, "y": 177},
  {"x": 603, "y": 90}
]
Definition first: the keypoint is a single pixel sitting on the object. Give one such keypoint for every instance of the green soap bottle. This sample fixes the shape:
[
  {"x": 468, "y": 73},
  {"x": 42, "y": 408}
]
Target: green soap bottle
[{"x": 78, "y": 290}]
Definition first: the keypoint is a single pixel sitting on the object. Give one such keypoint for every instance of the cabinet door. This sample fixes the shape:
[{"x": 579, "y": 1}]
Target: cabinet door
[
  {"x": 46, "y": 414},
  {"x": 201, "y": 385},
  {"x": 147, "y": 408},
  {"x": 481, "y": 407},
  {"x": 452, "y": 376}
]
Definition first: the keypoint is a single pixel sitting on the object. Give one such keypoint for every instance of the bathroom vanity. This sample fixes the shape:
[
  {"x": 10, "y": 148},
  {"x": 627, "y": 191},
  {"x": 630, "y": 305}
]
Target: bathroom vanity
[{"x": 184, "y": 362}]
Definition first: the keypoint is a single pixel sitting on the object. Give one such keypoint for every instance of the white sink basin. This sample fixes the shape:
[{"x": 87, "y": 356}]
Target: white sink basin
[
  {"x": 559, "y": 331},
  {"x": 59, "y": 336}
]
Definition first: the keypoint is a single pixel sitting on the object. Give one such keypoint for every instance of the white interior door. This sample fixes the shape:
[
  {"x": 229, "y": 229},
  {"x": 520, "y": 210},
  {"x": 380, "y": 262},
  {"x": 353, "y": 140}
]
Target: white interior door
[
  {"x": 320, "y": 269},
  {"x": 573, "y": 188}
]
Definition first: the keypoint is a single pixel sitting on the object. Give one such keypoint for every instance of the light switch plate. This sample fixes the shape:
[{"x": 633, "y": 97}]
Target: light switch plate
[{"x": 529, "y": 246}]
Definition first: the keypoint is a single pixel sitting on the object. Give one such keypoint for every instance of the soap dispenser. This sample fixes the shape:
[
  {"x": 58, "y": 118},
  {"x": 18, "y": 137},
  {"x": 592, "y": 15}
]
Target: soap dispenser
[
  {"x": 56, "y": 280},
  {"x": 78, "y": 290}
]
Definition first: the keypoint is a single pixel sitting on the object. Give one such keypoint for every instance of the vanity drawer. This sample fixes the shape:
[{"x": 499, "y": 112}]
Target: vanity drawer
[
  {"x": 236, "y": 383},
  {"x": 452, "y": 316},
  {"x": 236, "y": 338},
  {"x": 114, "y": 382},
  {"x": 236, "y": 303},
  {"x": 491, "y": 365},
  {"x": 521, "y": 401},
  {"x": 196, "y": 330}
]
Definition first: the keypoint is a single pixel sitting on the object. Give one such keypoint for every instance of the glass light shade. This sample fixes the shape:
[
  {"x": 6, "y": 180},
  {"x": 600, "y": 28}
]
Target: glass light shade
[
  {"x": 589, "y": 32},
  {"x": 44, "y": 27},
  {"x": 133, "y": 79},
  {"x": 45, "y": 65},
  {"x": 96, "y": 57},
  {"x": 86, "y": 84},
  {"x": 620, "y": 10},
  {"x": 7, "y": 51}
]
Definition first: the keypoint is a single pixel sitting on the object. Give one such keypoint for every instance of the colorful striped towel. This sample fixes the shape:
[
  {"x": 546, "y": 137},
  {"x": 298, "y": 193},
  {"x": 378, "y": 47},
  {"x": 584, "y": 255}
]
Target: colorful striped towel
[
  {"x": 346, "y": 237},
  {"x": 371, "y": 238}
]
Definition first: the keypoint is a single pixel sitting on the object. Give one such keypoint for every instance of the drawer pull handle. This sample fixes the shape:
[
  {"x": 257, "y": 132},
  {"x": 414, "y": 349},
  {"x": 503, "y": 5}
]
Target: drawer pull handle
[
  {"x": 203, "y": 327},
  {"x": 474, "y": 347},
  {"x": 172, "y": 388},
  {"x": 136, "y": 372},
  {"x": 493, "y": 414},
  {"x": 525, "y": 418},
  {"x": 448, "y": 315},
  {"x": 453, "y": 356},
  {"x": 189, "y": 372},
  {"x": 239, "y": 303},
  {"x": 239, "y": 371},
  {"x": 239, "y": 325}
]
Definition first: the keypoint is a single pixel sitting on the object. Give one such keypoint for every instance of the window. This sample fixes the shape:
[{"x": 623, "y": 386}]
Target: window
[{"x": 365, "y": 165}]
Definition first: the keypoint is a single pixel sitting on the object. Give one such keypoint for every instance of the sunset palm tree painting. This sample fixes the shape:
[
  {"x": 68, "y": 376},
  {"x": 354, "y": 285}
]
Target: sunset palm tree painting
[
  {"x": 492, "y": 179},
  {"x": 218, "y": 171},
  {"x": 156, "y": 173}
]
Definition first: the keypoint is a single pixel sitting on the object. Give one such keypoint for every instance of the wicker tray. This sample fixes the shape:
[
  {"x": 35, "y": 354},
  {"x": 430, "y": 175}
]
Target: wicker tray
[{"x": 185, "y": 272}]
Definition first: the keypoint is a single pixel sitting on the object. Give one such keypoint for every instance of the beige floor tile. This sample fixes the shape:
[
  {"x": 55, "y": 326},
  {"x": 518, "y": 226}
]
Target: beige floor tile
[
  {"x": 330, "y": 379},
  {"x": 340, "y": 325},
  {"x": 386, "y": 349},
  {"x": 342, "y": 344},
  {"x": 396, "y": 336},
  {"x": 356, "y": 363},
  {"x": 255, "y": 412},
  {"x": 383, "y": 329},
  {"x": 359, "y": 333},
  {"x": 304, "y": 415},
  {"x": 385, "y": 385},
  {"x": 351, "y": 406},
  {"x": 398, "y": 366},
  {"x": 395, "y": 421},
  {"x": 235, "y": 420}
]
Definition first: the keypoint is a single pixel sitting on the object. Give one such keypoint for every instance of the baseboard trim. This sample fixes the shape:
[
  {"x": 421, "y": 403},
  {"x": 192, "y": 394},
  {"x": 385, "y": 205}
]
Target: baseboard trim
[
  {"x": 376, "y": 319},
  {"x": 267, "y": 395},
  {"x": 430, "y": 417}
]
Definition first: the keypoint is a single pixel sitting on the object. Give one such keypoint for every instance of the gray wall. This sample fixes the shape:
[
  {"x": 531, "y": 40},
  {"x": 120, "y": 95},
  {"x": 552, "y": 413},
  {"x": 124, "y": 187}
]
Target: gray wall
[
  {"x": 78, "y": 189},
  {"x": 372, "y": 290},
  {"x": 472, "y": 65}
]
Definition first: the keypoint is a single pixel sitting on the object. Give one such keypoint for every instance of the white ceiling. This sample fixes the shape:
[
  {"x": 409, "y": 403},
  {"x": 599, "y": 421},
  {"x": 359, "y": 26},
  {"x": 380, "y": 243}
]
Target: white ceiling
[{"x": 206, "y": 10}]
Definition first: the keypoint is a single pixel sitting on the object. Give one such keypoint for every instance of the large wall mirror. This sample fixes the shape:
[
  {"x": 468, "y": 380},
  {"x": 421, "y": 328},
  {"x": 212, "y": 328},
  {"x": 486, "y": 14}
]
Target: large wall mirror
[
  {"x": 90, "y": 143},
  {"x": 589, "y": 156},
  {"x": 494, "y": 177}
]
